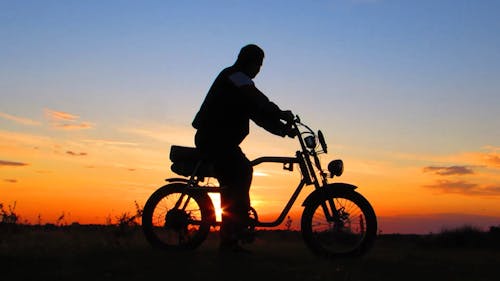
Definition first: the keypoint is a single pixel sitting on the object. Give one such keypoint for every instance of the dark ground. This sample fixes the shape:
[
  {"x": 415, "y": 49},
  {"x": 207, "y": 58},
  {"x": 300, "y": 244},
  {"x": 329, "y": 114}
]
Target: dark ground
[{"x": 98, "y": 253}]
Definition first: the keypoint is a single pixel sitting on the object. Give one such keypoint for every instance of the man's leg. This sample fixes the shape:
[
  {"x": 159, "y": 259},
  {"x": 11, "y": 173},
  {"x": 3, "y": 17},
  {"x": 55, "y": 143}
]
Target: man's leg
[{"x": 235, "y": 175}]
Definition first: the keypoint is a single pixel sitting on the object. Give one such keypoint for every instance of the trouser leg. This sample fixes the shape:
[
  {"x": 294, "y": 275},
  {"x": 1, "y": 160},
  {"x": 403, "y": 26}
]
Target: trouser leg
[{"x": 235, "y": 176}]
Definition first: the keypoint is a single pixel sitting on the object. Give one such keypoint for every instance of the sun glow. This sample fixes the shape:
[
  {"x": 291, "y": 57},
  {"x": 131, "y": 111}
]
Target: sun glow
[{"x": 216, "y": 201}]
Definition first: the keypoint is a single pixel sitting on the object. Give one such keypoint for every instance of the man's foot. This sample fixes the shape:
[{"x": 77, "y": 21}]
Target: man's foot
[
  {"x": 232, "y": 247},
  {"x": 247, "y": 236}
]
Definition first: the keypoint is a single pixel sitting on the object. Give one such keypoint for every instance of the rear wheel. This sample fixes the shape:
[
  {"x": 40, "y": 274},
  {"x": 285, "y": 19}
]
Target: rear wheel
[
  {"x": 349, "y": 233},
  {"x": 183, "y": 227}
]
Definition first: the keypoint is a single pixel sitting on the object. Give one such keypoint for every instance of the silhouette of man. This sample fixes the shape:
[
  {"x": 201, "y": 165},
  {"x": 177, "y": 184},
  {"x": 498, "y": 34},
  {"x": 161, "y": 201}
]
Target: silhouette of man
[{"x": 222, "y": 123}]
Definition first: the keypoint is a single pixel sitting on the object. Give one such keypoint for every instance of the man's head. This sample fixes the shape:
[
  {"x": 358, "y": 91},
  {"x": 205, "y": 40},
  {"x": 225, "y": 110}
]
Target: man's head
[{"x": 250, "y": 59}]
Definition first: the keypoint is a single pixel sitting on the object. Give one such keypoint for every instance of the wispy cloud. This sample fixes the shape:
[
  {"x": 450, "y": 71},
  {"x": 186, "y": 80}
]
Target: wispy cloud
[
  {"x": 60, "y": 115},
  {"x": 452, "y": 186},
  {"x": 66, "y": 121},
  {"x": 464, "y": 188},
  {"x": 449, "y": 171},
  {"x": 74, "y": 126},
  {"x": 10, "y": 180},
  {"x": 110, "y": 142},
  {"x": 493, "y": 159},
  {"x": 489, "y": 156},
  {"x": 72, "y": 153},
  {"x": 12, "y": 163},
  {"x": 19, "y": 120},
  {"x": 164, "y": 133},
  {"x": 7, "y": 137}
]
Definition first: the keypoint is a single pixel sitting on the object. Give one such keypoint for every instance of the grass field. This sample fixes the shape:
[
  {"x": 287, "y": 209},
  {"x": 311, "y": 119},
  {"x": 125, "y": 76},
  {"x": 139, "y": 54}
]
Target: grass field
[{"x": 100, "y": 253}]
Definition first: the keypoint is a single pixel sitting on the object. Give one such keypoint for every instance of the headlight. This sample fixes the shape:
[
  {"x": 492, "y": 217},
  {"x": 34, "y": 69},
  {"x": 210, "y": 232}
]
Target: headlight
[
  {"x": 310, "y": 141},
  {"x": 336, "y": 167}
]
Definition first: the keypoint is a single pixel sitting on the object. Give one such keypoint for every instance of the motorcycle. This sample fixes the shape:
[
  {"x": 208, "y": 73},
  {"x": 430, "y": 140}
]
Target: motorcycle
[{"x": 336, "y": 221}]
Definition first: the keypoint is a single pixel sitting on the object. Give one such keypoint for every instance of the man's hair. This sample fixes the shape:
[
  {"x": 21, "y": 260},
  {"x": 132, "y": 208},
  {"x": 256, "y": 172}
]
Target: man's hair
[{"x": 250, "y": 53}]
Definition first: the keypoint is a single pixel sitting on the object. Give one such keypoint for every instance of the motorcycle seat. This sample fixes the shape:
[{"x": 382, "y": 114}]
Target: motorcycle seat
[{"x": 188, "y": 161}]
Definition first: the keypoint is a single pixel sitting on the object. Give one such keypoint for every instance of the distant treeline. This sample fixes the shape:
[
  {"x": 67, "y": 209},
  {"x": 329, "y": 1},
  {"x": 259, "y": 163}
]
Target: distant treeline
[{"x": 460, "y": 237}]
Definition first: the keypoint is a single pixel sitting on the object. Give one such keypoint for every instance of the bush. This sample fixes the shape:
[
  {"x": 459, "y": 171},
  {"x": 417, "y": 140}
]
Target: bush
[
  {"x": 8, "y": 217},
  {"x": 464, "y": 237}
]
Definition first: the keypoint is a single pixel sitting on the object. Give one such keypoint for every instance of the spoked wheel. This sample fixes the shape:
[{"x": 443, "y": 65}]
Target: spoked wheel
[
  {"x": 176, "y": 219},
  {"x": 342, "y": 224}
]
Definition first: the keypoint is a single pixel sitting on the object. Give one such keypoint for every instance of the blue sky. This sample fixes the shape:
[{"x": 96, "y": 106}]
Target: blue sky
[
  {"x": 407, "y": 83},
  {"x": 406, "y": 67}
]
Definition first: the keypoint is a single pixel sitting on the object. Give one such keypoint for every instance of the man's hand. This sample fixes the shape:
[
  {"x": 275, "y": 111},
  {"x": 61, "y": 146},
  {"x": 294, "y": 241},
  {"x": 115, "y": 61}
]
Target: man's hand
[
  {"x": 287, "y": 115},
  {"x": 291, "y": 132}
]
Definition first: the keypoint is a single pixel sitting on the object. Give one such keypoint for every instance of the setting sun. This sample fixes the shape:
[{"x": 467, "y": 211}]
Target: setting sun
[{"x": 93, "y": 97}]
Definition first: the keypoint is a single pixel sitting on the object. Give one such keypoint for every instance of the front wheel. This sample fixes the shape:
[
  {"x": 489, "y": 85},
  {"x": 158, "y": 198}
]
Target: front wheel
[
  {"x": 175, "y": 218},
  {"x": 342, "y": 224}
]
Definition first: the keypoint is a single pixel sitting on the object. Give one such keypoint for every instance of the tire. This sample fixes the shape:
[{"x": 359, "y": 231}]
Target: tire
[
  {"x": 179, "y": 229},
  {"x": 351, "y": 236}
]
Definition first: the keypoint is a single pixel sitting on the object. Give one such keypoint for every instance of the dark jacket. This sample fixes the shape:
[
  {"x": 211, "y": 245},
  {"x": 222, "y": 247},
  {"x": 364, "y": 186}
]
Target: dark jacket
[{"x": 231, "y": 102}]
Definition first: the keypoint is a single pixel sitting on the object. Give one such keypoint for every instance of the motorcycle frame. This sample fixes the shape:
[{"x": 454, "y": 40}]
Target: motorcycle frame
[{"x": 302, "y": 158}]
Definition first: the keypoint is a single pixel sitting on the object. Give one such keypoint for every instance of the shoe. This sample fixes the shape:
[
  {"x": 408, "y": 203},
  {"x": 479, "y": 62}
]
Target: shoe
[
  {"x": 247, "y": 236},
  {"x": 232, "y": 247}
]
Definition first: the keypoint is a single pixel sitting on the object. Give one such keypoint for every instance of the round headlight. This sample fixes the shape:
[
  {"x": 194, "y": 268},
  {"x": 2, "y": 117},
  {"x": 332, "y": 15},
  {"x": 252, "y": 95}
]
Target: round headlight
[
  {"x": 336, "y": 168},
  {"x": 310, "y": 141}
]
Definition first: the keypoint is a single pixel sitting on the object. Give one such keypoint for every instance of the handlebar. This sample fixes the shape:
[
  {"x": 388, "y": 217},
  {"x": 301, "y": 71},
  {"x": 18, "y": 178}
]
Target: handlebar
[{"x": 310, "y": 140}]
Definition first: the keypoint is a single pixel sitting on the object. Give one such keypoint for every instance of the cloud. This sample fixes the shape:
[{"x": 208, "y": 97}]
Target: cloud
[
  {"x": 452, "y": 186},
  {"x": 493, "y": 159},
  {"x": 12, "y": 163},
  {"x": 164, "y": 133},
  {"x": 449, "y": 171},
  {"x": 8, "y": 138},
  {"x": 490, "y": 156},
  {"x": 10, "y": 180},
  {"x": 66, "y": 121},
  {"x": 464, "y": 188},
  {"x": 110, "y": 142},
  {"x": 20, "y": 120},
  {"x": 59, "y": 115},
  {"x": 74, "y": 126},
  {"x": 76, "y": 153}
]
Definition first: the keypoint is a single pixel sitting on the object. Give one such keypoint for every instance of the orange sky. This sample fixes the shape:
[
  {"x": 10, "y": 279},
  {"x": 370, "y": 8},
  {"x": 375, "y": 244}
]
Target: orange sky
[
  {"x": 93, "y": 94},
  {"x": 90, "y": 180}
]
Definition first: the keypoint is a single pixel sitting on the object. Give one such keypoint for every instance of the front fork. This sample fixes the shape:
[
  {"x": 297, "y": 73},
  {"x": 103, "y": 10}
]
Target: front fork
[
  {"x": 332, "y": 214},
  {"x": 180, "y": 201}
]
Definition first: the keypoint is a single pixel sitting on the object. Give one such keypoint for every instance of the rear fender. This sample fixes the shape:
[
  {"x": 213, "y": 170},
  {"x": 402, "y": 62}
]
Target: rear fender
[
  {"x": 328, "y": 190},
  {"x": 177, "y": 180}
]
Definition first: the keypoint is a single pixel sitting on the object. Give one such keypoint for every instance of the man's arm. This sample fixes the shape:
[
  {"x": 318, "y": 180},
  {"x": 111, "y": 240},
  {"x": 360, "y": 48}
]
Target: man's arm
[
  {"x": 267, "y": 114},
  {"x": 262, "y": 111}
]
